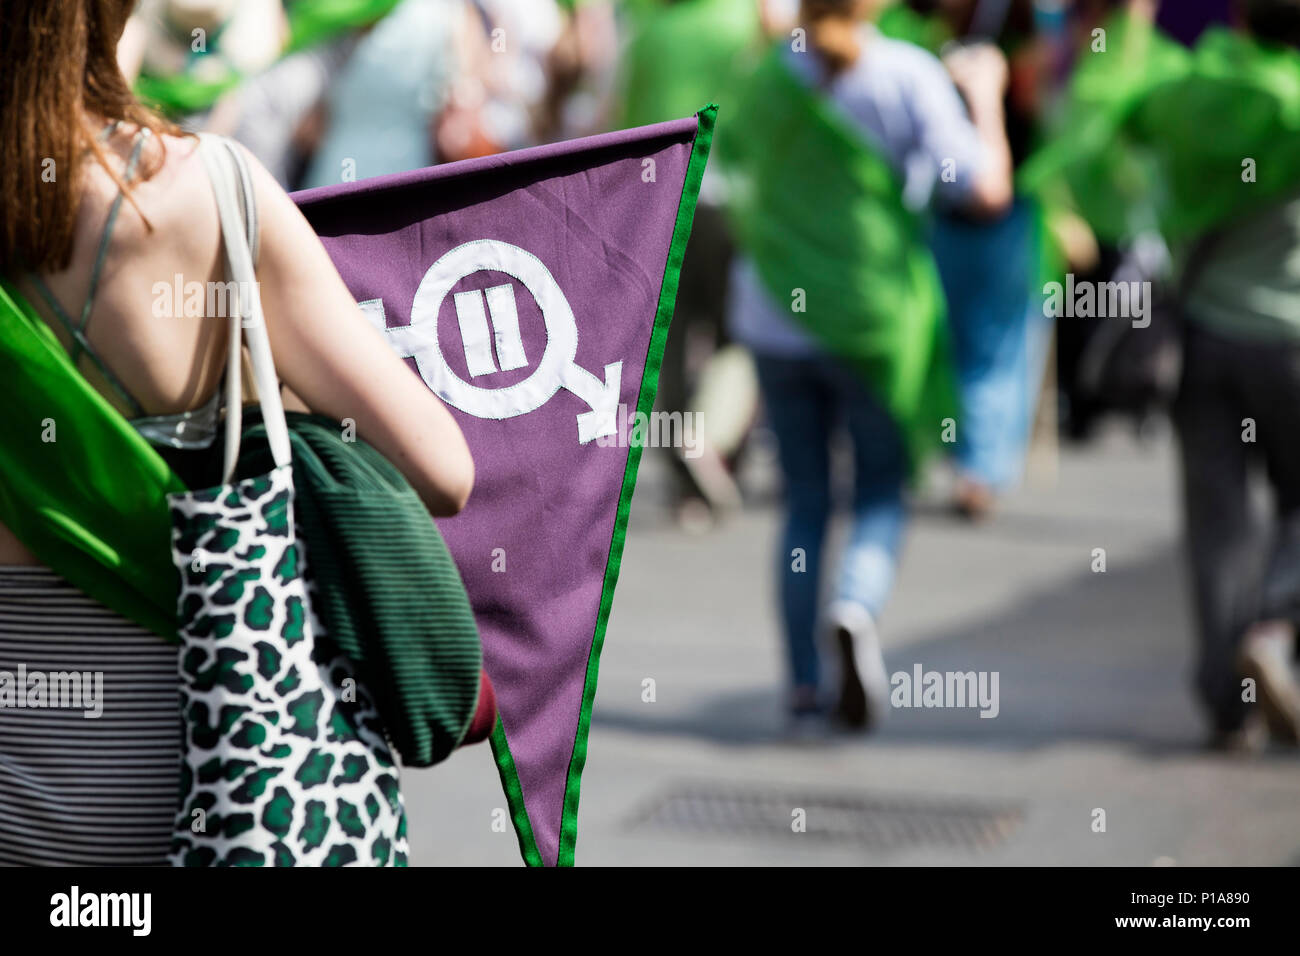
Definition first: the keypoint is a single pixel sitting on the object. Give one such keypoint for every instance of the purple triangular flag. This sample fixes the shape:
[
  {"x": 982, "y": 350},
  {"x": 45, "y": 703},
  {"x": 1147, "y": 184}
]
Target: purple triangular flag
[{"x": 532, "y": 292}]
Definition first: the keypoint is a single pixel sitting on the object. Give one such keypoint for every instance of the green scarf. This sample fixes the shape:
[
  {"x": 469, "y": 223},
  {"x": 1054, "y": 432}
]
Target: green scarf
[
  {"x": 819, "y": 211},
  {"x": 1157, "y": 136},
  {"x": 78, "y": 485}
]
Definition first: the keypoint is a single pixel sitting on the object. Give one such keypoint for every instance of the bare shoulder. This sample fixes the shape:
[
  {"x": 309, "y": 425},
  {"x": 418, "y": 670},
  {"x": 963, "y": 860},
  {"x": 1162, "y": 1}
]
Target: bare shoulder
[
  {"x": 173, "y": 200},
  {"x": 285, "y": 236}
]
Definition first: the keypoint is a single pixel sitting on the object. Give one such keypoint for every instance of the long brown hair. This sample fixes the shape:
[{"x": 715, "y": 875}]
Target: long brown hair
[{"x": 59, "y": 70}]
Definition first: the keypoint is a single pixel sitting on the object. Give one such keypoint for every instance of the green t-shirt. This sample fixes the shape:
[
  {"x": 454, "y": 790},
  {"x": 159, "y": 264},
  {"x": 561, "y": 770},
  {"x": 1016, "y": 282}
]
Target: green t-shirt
[{"x": 681, "y": 56}]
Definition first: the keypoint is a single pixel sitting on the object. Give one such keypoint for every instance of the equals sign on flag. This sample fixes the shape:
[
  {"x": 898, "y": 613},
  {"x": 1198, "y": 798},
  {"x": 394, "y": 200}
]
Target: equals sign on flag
[{"x": 478, "y": 340}]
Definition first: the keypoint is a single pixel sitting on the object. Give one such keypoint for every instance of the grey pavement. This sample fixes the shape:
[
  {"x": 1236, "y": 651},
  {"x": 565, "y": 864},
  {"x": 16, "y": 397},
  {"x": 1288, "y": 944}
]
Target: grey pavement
[{"x": 1095, "y": 711}]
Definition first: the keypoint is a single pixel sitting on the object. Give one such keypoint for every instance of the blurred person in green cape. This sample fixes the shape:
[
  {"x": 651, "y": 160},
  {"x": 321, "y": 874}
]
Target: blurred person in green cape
[
  {"x": 840, "y": 137},
  {"x": 184, "y": 55},
  {"x": 1203, "y": 147},
  {"x": 256, "y": 70}
]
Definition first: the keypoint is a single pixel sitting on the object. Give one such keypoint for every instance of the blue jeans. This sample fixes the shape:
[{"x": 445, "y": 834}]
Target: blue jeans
[
  {"x": 806, "y": 400},
  {"x": 1000, "y": 338}
]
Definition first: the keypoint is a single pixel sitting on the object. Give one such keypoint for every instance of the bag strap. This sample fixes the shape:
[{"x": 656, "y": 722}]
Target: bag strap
[{"x": 233, "y": 187}]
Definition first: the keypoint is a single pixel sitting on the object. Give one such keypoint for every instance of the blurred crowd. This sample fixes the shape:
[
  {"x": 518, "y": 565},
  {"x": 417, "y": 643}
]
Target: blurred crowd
[{"x": 326, "y": 91}]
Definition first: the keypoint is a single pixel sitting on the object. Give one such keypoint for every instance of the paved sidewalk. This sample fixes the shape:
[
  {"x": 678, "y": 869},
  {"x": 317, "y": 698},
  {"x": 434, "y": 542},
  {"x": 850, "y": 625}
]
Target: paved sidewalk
[{"x": 1094, "y": 707}]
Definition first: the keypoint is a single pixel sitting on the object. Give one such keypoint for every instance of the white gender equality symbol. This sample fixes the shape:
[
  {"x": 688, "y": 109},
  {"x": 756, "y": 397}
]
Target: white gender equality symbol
[{"x": 557, "y": 369}]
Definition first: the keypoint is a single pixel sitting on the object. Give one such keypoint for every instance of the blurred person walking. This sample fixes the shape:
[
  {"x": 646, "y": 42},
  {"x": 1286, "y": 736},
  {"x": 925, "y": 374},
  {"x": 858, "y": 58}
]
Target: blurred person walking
[
  {"x": 1239, "y": 408},
  {"x": 1228, "y": 207},
  {"x": 989, "y": 267},
  {"x": 187, "y": 51},
  {"x": 405, "y": 74},
  {"x": 131, "y": 205},
  {"x": 522, "y": 37},
  {"x": 838, "y": 144},
  {"x": 678, "y": 56}
]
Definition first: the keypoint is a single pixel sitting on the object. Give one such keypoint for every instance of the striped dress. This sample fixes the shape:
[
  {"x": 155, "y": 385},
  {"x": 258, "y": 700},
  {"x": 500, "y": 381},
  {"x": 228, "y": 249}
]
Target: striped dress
[{"x": 78, "y": 789}]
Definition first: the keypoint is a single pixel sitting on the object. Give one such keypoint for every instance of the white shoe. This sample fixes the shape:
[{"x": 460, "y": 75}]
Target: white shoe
[
  {"x": 864, "y": 682},
  {"x": 1266, "y": 654}
]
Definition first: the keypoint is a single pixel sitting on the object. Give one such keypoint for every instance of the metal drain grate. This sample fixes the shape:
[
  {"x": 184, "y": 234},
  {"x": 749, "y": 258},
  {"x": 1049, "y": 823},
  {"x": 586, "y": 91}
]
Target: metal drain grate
[{"x": 878, "y": 822}]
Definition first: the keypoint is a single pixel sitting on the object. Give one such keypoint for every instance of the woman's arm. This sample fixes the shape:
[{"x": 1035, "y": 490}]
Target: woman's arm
[{"x": 339, "y": 365}]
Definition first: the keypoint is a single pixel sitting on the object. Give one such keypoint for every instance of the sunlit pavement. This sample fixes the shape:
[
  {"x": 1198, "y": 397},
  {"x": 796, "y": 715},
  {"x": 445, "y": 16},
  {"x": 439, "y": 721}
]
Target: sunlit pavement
[{"x": 1094, "y": 709}]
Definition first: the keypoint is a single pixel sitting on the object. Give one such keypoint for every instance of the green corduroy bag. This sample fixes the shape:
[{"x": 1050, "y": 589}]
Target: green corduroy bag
[{"x": 383, "y": 582}]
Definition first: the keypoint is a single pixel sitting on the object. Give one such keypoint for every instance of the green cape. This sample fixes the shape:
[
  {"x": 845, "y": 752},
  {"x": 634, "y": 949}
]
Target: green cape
[
  {"x": 78, "y": 485},
  {"x": 1157, "y": 136},
  {"x": 819, "y": 210}
]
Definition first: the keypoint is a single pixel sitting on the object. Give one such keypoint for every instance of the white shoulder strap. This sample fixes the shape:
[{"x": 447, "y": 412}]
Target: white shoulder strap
[{"x": 233, "y": 187}]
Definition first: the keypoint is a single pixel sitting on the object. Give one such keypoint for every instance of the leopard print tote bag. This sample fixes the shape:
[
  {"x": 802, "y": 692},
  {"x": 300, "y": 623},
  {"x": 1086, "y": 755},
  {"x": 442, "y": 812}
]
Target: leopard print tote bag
[{"x": 285, "y": 761}]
